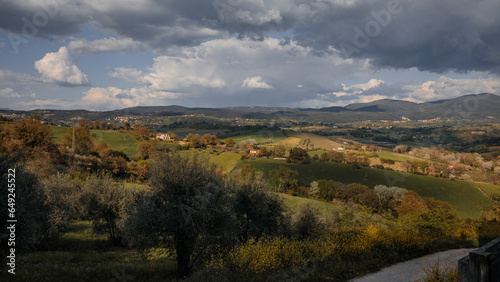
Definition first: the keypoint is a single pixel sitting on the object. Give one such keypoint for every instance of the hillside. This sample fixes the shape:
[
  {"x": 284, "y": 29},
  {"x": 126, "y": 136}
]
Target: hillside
[
  {"x": 462, "y": 195},
  {"x": 472, "y": 106}
]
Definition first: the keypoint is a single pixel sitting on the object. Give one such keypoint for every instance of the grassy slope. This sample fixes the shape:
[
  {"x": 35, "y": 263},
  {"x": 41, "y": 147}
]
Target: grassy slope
[
  {"x": 115, "y": 140},
  {"x": 225, "y": 160},
  {"x": 293, "y": 203},
  {"x": 261, "y": 136},
  {"x": 460, "y": 194},
  {"x": 80, "y": 255},
  {"x": 396, "y": 157},
  {"x": 316, "y": 140}
]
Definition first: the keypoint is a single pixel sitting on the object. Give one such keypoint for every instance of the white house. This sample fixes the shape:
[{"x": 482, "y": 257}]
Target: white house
[{"x": 163, "y": 136}]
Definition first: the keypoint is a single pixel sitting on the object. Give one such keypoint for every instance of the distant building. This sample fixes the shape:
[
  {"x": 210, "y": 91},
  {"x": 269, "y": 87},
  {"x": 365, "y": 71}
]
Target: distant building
[
  {"x": 163, "y": 136},
  {"x": 254, "y": 152}
]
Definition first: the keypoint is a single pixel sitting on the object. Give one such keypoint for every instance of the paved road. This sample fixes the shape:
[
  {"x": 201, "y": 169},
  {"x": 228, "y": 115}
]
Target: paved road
[{"x": 412, "y": 270}]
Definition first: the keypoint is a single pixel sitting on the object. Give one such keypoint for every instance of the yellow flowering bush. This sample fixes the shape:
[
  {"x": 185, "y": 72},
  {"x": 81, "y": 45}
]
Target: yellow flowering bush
[{"x": 278, "y": 253}]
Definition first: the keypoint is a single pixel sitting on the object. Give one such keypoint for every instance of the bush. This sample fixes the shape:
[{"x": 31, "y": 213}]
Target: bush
[
  {"x": 435, "y": 272},
  {"x": 31, "y": 209},
  {"x": 62, "y": 196},
  {"x": 106, "y": 203}
]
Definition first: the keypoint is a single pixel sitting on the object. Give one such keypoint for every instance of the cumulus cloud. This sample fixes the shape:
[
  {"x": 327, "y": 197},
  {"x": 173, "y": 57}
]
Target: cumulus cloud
[
  {"x": 60, "y": 68},
  {"x": 222, "y": 72},
  {"x": 9, "y": 93},
  {"x": 255, "y": 82},
  {"x": 111, "y": 44},
  {"x": 17, "y": 85},
  {"x": 113, "y": 97},
  {"x": 129, "y": 74},
  {"x": 445, "y": 87}
]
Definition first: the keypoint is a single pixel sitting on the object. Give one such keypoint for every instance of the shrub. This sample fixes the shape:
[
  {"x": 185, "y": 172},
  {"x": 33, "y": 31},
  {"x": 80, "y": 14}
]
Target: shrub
[{"x": 436, "y": 272}]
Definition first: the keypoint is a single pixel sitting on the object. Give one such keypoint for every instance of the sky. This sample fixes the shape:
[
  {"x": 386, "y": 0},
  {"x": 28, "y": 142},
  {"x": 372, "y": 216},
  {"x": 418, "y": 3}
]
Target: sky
[{"x": 103, "y": 55}]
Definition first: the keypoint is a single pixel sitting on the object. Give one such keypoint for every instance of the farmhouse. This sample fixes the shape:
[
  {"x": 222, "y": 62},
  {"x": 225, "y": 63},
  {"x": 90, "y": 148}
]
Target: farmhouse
[
  {"x": 163, "y": 136},
  {"x": 254, "y": 152}
]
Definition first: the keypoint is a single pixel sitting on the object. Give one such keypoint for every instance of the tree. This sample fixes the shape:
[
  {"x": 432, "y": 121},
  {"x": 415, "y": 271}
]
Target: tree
[
  {"x": 314, "y": 190},
  {"x": 194, "y": 140},
  {"x": 298, "y": 155},
  {"x": 141, "y": 131},
  {"x": 84, "y": 122},
  {"x": 187, "y": 210},
  {"x": 412, "y": 204},
  {"x": 97, "y": 124},
  {"x": 105, "y": 203},
  {"x": 306, "y": 221},
  {"x": 283, "y": 178},
  {"x": 264, "y": 152},
  {"x": 29, "y": 209},
  {"x": 62, "y": 196},
  {"x": 27, "y": 138},
  {"x": 145, "y": 150},
  {"x": 83, "y": 139},
  {"x": 208, "y": 139},
  {"x": 230, "y": 142},
  {"x": 279, "y": 151},
  {"x": 257, "y": 213}
]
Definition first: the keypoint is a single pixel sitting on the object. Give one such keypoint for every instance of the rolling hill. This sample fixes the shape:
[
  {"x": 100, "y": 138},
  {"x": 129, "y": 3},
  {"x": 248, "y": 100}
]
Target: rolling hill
[{"x": 473, "y": 106}]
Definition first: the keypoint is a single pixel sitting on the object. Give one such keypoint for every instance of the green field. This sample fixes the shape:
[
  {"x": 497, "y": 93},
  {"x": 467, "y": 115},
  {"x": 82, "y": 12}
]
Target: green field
[
  {"x": 115, "y": 140},
  {"x": 487, "y": 187},
  {"x": 224, "y": 160},
  {"x": 395, "y": 157},
  {"x": 293, "y": 203},
  {"x": 183, "y": 132},
  {"x": 462, "y": 195},
  {"x": 261, "y": 136}
]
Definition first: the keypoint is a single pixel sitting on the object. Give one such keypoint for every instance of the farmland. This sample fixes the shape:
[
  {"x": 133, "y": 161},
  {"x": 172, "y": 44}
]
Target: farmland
[
  {"x": 462, "y": 195},
  {"x": 115, "y": 140}
]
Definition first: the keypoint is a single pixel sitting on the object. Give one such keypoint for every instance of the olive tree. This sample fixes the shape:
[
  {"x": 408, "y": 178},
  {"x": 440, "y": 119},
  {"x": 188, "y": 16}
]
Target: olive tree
[
  {"x": 186, "y": 210},
  {"x": 257, "y": 212},
  {"x": 105, "y": 203},
  {"x": 27, "y": 205}
]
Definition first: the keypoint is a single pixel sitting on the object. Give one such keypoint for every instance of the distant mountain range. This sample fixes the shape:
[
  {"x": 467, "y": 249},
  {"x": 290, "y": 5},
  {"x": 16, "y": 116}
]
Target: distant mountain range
[{"x": 474, "y": 106}]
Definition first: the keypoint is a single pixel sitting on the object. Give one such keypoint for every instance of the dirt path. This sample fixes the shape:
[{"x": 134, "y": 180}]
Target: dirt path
[
  {"x": 412, "y": 270},
  {"x": 488, "y": 196}
]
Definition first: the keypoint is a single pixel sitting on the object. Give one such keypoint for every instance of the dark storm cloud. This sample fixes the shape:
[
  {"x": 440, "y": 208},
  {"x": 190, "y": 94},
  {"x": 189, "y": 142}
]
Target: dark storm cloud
[
  {"x": 436, "y": 36},
  {"x": 41, "y": 18},
  {"x": 430, "y": 35}
]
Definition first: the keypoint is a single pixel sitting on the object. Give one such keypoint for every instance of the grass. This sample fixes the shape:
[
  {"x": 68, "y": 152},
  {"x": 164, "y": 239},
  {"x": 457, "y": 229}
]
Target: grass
[
  {"x": 261, "y": 136},
  {"x": 115, "y": 140},
  {"x": 80, "y": 255},
  {"x": 293, "y": 203},
  {"x": 224, "y": 160},
  {"x": 487, "y": 187},
  {"x": 462, "y": 195},
  {"x": 183, "y": 132},
  {"x": 313, "y": 140},
  {"x": 291, "y": 142},
  {"x": 395, "y": 157}
]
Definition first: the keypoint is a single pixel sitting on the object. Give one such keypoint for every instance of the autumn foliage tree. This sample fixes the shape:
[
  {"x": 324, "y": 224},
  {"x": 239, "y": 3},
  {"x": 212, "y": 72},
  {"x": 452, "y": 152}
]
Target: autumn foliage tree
[
  {"x": 27, "y": 138},
  {"x": 83, "y": 139}
]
